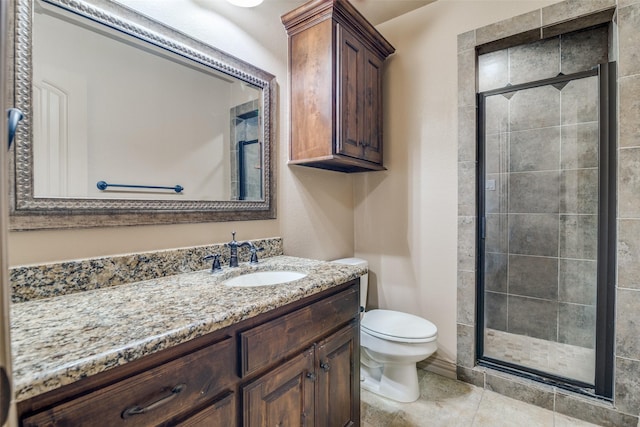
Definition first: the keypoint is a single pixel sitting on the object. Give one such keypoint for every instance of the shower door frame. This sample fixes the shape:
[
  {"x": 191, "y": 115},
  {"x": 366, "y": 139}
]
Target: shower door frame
[{"x": 606, "y": 249}]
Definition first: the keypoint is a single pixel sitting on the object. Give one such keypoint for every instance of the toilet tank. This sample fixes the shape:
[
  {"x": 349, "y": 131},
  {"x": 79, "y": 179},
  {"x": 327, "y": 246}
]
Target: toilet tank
[{"x": 364, "y": 280}]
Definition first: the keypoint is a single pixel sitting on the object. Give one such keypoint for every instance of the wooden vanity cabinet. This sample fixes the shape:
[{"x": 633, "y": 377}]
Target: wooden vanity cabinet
[
  {"x": 296, "y": 365},
  {"x": 335, "y": 71}
]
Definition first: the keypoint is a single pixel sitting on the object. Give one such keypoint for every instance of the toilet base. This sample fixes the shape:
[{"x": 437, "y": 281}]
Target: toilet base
[{"x": 394, "y": 381}]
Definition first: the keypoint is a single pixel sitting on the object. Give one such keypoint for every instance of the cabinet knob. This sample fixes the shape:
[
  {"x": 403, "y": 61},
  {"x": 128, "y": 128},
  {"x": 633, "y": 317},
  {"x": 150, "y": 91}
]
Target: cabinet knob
[
  {"x": 311, "y": 376},
  {"x": 325, "y": 366}
]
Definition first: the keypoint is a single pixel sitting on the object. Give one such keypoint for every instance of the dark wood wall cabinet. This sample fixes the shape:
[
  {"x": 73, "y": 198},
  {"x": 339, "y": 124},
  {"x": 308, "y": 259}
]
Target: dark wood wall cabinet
[
  {"x": 335, "y": 71},
  {"x": 296, "y": 365}
]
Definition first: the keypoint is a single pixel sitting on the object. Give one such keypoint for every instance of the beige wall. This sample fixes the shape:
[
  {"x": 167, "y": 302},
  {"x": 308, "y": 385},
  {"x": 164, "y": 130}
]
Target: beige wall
[
  {"x": 406, "y": 217},
  {"x": 315, "y": 208}
]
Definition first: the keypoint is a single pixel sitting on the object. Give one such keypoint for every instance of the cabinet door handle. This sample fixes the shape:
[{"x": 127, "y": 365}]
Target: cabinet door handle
[
  {"x": 311, "y": 376},
  {"x": 137, "y": 410},
  {"x": 325, "y": 366}
]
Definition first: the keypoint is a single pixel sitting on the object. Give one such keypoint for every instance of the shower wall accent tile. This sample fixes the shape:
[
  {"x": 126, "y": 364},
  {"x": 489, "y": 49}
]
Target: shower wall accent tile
[
  {"x": 591, "y": 411},
  {"x": 509, "y": 27},
  {"x": 579, "y": 146},
  {"x": 533, "y": 234},
  {"x": 526, "y": 190},
  {"x": 466, "y": 245},
  {"x": 466, "y": 78},
  {"x": 534, "y": 61},
  {"x": 629, "y": 111},
  {"x": 495, "y": 312},
  {"x": 496, "y": 193},
  {"x": 534, "y": 108},
  {"x": 522, "y": 390},
  {"x": 534, "y": 150},
  {"x": 497, "y": 112},
  {"x": 467, "y": 134},
  {"x": 533, "y": 276},
  {"x": 578, "y": 236},
  {"x": 473, "y": 376},
  {"x": 467, "y": 40},
  {"x": 628, "y": 324},
  {"x": 577, "y": 324},
  {"x": 466, "y": 348},
  {"x": 629, "y": 183},
  {"x": 533, "y": 317},
  {"x": 577, "y": 281},
  {"x": 628, "y": 24},
  {"x": 493, "y": 70},
  {"x": 571, "y": 9},
  {"x": 574, "y": 107},
  {"x": 466, "y": 310},
  {"x": 495, "y": 272},
  {"x": 467, "y": 188},
  {"x": 579, "y": 191},
  {"x": 627, "y": 383},
  {"x": 629, "y": 253},
  {"x": 496, "y": 233},
  {"x": 583, "y": 49}
]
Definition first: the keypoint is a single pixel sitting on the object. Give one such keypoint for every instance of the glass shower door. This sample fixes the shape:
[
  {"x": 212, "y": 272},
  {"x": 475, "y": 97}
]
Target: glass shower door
[{"x": 539, "y": 226}]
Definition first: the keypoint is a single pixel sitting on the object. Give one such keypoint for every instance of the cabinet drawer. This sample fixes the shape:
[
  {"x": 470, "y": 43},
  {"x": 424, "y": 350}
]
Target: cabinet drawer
[
  {"x": 151, "y": 397},
  {"x": 272, "y": 341}
]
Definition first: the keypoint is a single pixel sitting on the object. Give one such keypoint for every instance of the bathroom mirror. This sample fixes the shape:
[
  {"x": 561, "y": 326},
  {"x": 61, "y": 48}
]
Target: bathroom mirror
[{"x": 128, "y": 121}]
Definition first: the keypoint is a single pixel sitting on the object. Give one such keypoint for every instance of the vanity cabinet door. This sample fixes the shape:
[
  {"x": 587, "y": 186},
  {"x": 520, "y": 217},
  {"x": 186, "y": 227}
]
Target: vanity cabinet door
[
  {"x": 283, "y": 396},
  {"x": 338, "y": 388}
]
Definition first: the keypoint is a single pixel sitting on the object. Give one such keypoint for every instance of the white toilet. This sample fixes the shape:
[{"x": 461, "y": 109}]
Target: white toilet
[{"x": 391, "y": 343}]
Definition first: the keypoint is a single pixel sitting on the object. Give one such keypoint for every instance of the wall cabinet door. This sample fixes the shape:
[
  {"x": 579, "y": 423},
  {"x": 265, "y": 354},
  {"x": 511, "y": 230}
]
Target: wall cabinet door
[
  {"x": 372, "y": 105},
  {"x": 350, "y": 98},
  {"x": 338, "y": 389},
  {"x": 360, "y": 99},
  {"x": 282, "y": 397}
]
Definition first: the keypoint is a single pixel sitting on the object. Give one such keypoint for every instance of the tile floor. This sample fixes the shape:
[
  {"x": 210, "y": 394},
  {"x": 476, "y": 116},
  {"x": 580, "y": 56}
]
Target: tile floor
[{"x": 450, "y": 403}]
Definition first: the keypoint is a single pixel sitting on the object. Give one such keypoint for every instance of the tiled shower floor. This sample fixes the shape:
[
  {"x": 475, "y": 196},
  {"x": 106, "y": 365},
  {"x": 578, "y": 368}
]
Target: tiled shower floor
[
  {"x": 450, "y": 403},
  {"x": 556, "y": 358}
]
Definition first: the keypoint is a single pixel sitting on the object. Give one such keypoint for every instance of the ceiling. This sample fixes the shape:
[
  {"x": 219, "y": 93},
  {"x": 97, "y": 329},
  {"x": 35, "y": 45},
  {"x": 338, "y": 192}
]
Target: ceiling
[{"x": 378, "y": 11}]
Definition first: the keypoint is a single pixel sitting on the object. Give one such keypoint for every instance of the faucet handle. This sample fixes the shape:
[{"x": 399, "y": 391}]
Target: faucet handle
[
  {"x": 216, "y": 262},
  {"x": 254, "y": 253}
]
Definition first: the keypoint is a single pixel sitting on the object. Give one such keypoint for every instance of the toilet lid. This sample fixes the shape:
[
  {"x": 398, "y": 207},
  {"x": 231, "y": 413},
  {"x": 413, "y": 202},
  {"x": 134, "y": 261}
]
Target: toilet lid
[{"x": 398, "y": 326}]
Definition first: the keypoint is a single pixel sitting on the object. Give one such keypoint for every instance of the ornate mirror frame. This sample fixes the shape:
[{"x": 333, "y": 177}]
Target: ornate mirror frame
[{"x": 28, "y": 212}]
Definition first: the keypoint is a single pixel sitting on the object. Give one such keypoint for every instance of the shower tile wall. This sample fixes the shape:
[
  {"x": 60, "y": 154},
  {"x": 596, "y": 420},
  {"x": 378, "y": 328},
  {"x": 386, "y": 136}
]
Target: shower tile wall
[
  {"x": 542, "y": 189},
  {"x": 624, "y": 16}
]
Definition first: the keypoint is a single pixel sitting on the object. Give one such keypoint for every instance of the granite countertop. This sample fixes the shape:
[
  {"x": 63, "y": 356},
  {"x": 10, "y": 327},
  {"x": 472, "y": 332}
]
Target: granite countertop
[{"x": 59, "y": 340}]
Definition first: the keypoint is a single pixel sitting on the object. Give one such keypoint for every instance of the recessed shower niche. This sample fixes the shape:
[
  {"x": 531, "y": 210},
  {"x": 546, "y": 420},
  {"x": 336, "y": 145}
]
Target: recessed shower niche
[{"x": 546, "y": 208}]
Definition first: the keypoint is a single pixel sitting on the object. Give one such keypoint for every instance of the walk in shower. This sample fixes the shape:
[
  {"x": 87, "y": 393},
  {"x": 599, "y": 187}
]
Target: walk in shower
[{"x": 546, "y": 210}]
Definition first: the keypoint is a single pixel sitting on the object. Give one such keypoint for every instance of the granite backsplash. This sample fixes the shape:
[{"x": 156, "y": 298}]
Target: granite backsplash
[{"x": 34, "y": 282}]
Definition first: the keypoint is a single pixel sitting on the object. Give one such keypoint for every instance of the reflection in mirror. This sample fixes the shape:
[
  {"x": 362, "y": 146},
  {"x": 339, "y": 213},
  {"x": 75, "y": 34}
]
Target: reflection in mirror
[{"x": 108, "y": 107}]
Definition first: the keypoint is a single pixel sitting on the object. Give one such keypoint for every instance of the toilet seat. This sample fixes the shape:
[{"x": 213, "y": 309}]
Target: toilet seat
[{"x": 397, "y": 326}]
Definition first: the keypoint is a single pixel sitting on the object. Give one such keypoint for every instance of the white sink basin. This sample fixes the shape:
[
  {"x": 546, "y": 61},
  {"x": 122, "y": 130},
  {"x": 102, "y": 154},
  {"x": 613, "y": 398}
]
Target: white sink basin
[{"x": 265, "y": 278}]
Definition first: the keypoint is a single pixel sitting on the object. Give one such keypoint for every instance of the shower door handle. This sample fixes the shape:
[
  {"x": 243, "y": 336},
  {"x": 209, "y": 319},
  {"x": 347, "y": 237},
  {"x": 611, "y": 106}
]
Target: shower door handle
[{"x": 483, "y": 227}]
